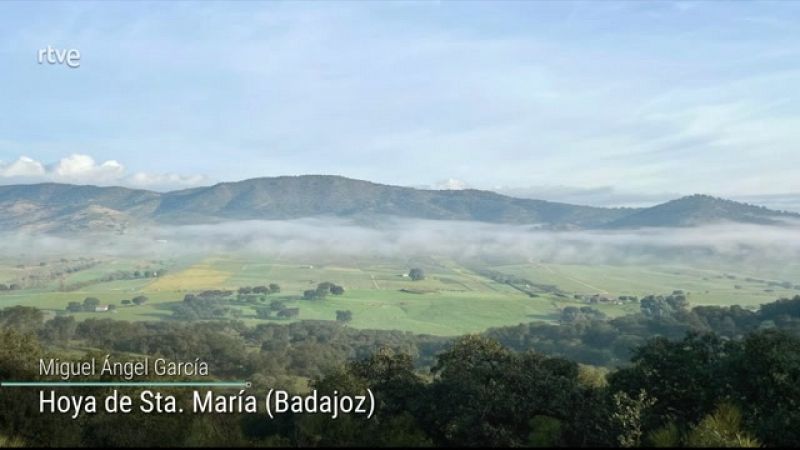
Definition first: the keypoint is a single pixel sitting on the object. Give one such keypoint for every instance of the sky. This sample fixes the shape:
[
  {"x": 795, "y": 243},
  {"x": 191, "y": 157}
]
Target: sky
[{"x": 603, "y": 102}]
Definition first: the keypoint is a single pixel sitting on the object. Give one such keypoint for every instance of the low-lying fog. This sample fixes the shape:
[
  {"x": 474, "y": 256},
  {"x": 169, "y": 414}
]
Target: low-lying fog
[{"x": 749, "y": 244}]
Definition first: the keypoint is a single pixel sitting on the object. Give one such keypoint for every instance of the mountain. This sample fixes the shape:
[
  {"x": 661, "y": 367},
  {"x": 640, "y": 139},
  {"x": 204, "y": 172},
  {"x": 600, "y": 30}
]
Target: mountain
[
  {"x": 64, "y": 207},
  {"x": 700, "y": 209},
  {"x": 315, "y": 195},
  {"x": 55, "y": 207}
]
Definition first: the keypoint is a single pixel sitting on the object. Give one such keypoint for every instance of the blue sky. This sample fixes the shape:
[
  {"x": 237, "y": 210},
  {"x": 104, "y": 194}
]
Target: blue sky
[{"x": 595, "y": 102}]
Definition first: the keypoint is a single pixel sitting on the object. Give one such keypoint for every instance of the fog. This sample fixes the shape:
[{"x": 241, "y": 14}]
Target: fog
[{"x": 400, "y": 238}]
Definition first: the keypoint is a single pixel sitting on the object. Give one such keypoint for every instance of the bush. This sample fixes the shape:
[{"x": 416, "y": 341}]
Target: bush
[{"x": 722, "y": 428}]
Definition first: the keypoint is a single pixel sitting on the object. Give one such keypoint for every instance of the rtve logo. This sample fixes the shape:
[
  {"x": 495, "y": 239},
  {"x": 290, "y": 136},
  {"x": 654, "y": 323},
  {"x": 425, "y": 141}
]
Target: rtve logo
[{"x": 68, "y": 57}]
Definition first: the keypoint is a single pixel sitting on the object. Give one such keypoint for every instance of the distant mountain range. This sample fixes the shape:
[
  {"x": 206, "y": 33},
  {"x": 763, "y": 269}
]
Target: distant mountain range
[{"x": 52, "y": 207}]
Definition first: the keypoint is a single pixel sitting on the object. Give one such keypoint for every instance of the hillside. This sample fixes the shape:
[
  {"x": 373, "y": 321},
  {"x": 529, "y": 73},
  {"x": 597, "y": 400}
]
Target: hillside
[
  {"x": 697, "y": 210},
  {"x": 55, "y": 207},
  {"x": 313, "y": 195},
  {"x": 63, "y": 207}
]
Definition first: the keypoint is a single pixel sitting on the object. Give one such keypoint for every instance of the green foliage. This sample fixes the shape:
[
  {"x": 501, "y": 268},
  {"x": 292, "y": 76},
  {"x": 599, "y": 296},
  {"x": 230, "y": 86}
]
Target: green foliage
[
  {"x": 60, "y": 329},
  {"x": 393, "y": 379},
  {"x": 264, "y": 313},
  {"x": 344, "y": 316},
  {"x": 767, "y": 385},
  {"x": 19, "y": 350},
  {"x": 628, "y": 413},
  {"x": 590, "y": 376},
  {"x": 545, "y": 432},
  {"x": 90, "y": 303},
  {"x": 487, "y": 394},
  {"x": 700, "y": 390},
  {"x": 322, "y": 290},
  {"x": 7, "y": 442},
  {"x": 22, "y": 318},
  {"x": 668, "y": 436},
  {"x": 684, "y": 376},
  {"x": 722, "y": 428}
]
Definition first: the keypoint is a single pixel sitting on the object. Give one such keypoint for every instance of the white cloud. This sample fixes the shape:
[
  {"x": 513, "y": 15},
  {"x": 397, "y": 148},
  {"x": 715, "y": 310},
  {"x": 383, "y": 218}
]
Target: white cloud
[
  {"x": 155, "y": 180},
  {"x": 22, "y": 167},
  {"x": 83, "y": 169},
  {"x": 451, "y": 184}
]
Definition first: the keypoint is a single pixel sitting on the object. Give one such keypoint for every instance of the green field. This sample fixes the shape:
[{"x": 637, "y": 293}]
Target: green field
[{"x": 454, "y": 298}]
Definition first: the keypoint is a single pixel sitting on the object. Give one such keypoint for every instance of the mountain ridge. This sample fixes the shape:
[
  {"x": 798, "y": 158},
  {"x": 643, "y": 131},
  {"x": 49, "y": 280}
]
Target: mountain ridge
[{"x": 55, "y": 207}]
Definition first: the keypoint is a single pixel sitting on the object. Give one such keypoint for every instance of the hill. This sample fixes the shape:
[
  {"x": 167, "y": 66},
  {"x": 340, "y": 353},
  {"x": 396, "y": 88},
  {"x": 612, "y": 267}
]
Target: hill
[
  {"x": 697, "y": 210},
  {"x": 56, "y": 207},
  {"x": 316, "y": 195}
]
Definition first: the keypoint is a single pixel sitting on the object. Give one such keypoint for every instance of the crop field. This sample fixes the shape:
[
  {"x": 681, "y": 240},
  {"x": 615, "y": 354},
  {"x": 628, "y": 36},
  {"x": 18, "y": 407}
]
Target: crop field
[{"x": 452, "y": 299}]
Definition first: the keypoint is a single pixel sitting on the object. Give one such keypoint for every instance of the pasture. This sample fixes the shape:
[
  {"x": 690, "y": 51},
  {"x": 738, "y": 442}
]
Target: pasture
[{"x": 454, "y": 298}]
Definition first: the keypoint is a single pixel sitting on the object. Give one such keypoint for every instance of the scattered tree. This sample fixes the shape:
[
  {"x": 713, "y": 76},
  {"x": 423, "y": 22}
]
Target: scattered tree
[
  {"x": 90, "y": 303},
  {"x": 344, "y": 316},
  {"x": 416, "y": 274}
]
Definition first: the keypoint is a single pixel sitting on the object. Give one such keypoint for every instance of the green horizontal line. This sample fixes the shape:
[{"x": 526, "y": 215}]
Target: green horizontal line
[{"x": 231, "y": 384}]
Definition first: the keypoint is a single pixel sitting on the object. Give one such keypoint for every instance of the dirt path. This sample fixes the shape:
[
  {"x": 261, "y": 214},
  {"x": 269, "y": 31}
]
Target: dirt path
[{"x": 374, "y": 281}]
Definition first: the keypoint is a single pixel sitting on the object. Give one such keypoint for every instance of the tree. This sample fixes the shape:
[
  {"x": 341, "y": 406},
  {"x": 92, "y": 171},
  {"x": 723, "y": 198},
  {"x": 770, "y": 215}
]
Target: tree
[
  {"x": 310, "y": 294},
  {"x": 90, "y": 303},
  {"x": 399, "y": 393},
  {"x": 274, "y": 288},
  {"x": 74, "y": 307},
  {"x": 60, "y": 328},
  {"x": 685, "y": 377},
  {"x": 276, "y": 305},
  {"x": 264, "y": 313},
  {"x": 112, "y": 307},
  {"x": 288, "y": 313},
  {"x": 344, "y": 316},
  {"x": 337, "y": 290},
  {"x": 139, "y": 300},
  {"x": 8, "y": 442},
  {"x": 765, "y": 373},
  {"x": 416, "y": 274},
  {"x": 22, "y": 318},
  {"x": 323, "y": 290},
  {"x": 126, "y": 302},
  {"x": 628, "y": 413},
  {"x": 260, "y": 290},
  {"x": 486, "y": 395},
  {"x": 722, "y": 428}
]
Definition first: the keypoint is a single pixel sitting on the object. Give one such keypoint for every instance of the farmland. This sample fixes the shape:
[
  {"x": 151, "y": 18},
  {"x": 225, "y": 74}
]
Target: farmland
[{"x": 453, "y": 298}]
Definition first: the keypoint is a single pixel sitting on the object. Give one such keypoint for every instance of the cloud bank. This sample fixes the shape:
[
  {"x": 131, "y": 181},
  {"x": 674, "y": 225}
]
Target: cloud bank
[
  {"x": 753, "y": 245},
  {"x": 83, "y": 169}
]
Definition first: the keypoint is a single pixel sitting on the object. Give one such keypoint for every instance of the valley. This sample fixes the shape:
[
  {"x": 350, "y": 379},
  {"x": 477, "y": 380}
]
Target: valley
[{"x": 454, "y": 298}]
